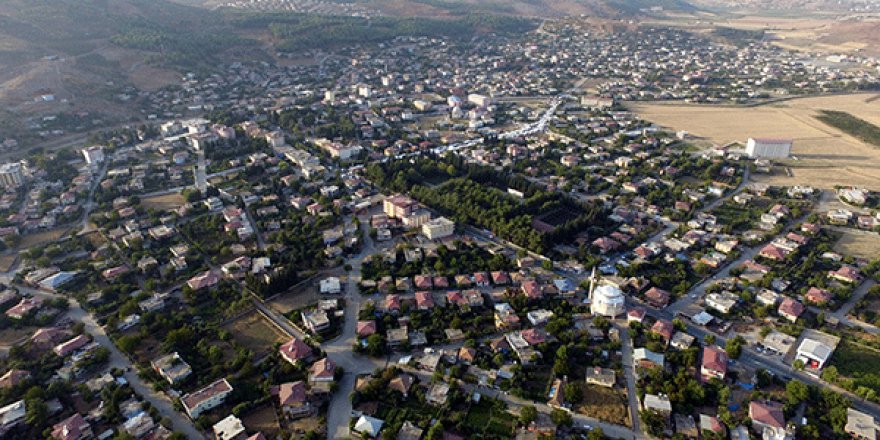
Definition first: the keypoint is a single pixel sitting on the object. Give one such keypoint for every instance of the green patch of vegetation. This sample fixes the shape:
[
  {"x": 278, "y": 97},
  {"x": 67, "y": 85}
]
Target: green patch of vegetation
[
  {"x": 300, "y": 31},
  {"x": 852, "y": 125},
  {"x": 859, "y": 365}
]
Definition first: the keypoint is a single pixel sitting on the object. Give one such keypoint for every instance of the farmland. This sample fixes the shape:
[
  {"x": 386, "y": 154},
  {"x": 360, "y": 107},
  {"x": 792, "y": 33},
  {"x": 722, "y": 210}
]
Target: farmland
[{"x": 825, "y": 156}]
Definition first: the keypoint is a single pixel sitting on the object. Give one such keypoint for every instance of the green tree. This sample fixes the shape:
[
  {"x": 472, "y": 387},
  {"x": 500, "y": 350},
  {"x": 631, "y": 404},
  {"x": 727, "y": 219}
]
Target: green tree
[
  {"x": 528, "y": 414},
  {"x": 561, "y": 417}
]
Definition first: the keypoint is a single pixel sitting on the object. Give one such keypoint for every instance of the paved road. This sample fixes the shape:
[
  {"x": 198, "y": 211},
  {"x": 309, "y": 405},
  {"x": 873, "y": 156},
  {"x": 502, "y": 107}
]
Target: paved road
[
  {"x": 340, "y": 351},
  {"x": 629, "y": 372},
  {"x": 119, "y": 360}
]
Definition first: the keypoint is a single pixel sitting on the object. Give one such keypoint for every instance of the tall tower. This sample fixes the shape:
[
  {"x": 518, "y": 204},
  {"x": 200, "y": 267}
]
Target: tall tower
[{"x": 593, "y": 279}]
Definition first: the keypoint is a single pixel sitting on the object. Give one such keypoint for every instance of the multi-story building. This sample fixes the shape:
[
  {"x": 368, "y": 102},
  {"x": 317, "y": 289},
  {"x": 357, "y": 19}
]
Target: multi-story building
[
  {"x": 93, "y": 155},
  {"x": 207, "y": 398},
  {"x": 437, "y": 228},
  {"x": 11, "y": 174}
]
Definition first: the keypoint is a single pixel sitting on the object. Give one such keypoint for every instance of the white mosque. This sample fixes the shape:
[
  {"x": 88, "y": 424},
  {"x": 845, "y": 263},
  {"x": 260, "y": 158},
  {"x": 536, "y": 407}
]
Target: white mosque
[{"x": 606, "y": 300}]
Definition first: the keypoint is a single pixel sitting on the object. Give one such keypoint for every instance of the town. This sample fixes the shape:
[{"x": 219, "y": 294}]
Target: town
[{"x": 442, "y": 239}]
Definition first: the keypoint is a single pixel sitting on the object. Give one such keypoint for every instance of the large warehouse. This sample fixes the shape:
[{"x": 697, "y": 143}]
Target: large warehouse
[{"x": 769, "y": 148}]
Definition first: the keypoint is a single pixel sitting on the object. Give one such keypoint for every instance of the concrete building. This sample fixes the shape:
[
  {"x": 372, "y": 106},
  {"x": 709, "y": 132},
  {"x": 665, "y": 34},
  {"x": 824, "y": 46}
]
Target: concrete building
[
  {"x": 206, "y": 399},
  {"x": 860, "y": 425},
  {"x": 768, "y": 148},
  {"x": 438, "y": 228},
  {"x": 230, "y": 428},
  {"x": 93, "y": 155},
  {"x": 11, "y": 174}
]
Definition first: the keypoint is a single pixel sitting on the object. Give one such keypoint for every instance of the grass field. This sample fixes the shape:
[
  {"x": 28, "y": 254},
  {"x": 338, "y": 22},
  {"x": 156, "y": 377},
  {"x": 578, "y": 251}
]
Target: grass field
[
  {"x": 255, "y": 333},
  {"x": 483, "y": 418},
  {"x": 859, "y": 244},
  {"x": 851, "y": 125},
  {"x": 859, "y": 364},
  {"x": 604, "y": 404},
  {"x": 169, "y": 201},
  {"x": 825, "y": 156}
]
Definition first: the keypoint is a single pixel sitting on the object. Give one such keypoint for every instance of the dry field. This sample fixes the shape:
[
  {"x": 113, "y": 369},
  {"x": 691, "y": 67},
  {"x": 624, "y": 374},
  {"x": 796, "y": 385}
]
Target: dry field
[
  {"x": 605, "y": 404},
  {"x": 169, "y": 201},
  {"x": 40, "y": 238},
  {"x": 7, "y": 261},
  {"x": 262, "y": 419},
  {"x": 825, "y": 156},
  {"x": 255, "y": 333},
  {"x": 859, "y": 244}
]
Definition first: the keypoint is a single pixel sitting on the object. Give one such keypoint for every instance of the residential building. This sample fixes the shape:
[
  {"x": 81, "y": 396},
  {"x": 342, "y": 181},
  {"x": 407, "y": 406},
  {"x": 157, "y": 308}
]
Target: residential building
[
  {"x": 207, "y": 398},
  {"x": 230, "y": 428},
  {"x": 172, "y": 368},
  {"x": 438, "y": 228},
  {"x": 714, "y": 364}
]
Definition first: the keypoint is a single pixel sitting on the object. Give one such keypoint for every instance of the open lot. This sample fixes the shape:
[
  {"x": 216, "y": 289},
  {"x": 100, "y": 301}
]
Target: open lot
[
  {"x": 825, "y": 156},
  {"x": 168, "y": 201},
  {"x": 605, "y": 404},
  {"x": 41, "y": 238},
  {"x": 262, "y": 419},
  {"x": 255, "y": 333},
  {"x": 7, "y": 261},
  {"x": 858, "y": 243}
]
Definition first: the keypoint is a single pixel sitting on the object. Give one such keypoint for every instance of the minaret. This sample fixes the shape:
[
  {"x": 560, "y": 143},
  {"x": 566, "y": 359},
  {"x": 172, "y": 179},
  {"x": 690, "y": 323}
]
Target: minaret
[{"x": 592, "y": 284}]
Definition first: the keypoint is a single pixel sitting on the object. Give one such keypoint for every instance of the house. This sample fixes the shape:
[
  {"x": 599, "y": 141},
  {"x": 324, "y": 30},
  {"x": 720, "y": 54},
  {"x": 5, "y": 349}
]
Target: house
[
  {"x": 647, "y": 359},
  {"x": 539, "y": 317},
  {"x": 11, "y": 415},
  {"x": 773, "y": 252},
  {"x": 766, "y": 414},
  {"x": 714, "y": 364},
  {"x": 423, "y": 282},
  {"x": 657, "y": 297},
  {"x": 316, "y": 320},
  {"x": 711, "y": 424},
  {"x": 500, "y": 278},
  {"x": 682, "y": 341},
  {"x": 860, "y": 425},
  {"x": 437, "y": 394},
  {"x": 171, "y": 367},
  {"x": 330, "y": 285},
  {"x": 532, "y": 289},
  {"x": 790, "y": 309},
  {"x": 410, "y": 432},
  {"x": 816, "y": 349},
  {"x": 723, "y": 302},
  {"x": 322, "y": 371},
  {"x": 74, "y": 427},
  {"x": 818, "y": 296},
  {"x": 664, "y": 329},
  {"x": 368, "y": 427},
  {"x": 424, "y": 300},
  {"x": 295, "y": 351},
  {"x": 13, "y": 378},
  {"x": 68, "y": 347},
  {"x": 846, "y": 274},
  {"x": 206, "y": 399},
  {"x": 230, "y": 428},
  {"x": 293, "y": 400},
  {"x": 366, "y": 328},
  {"x": 603, "y": 377},
  {"x": 204, "y": 280},
  {"x": 659, "y": 404},
  {"x": 401, "y": 384},
  {"x": 24, "y": 307}
]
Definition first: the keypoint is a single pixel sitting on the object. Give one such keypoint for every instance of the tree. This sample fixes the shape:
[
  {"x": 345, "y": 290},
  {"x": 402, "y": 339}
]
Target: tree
[
  {"x": 573, "y": 392},
  {"x": 796, "y": 392},
  {"x": 596, "y": 434},
  {"x": 734, "y": 347},
  {"x": 709, "y": 339},
  {"x": 561, "y": 417},
  {"x": 528, "y": 414}
]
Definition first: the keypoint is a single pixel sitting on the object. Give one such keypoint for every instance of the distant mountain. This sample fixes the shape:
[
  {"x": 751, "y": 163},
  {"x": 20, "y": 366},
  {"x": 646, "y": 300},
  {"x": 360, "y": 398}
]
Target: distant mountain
[
  {"x": 832, "y": 6},
  {"x": 451, "y": 8}
]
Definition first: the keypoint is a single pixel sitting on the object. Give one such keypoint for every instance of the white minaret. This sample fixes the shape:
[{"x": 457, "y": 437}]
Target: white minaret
[{"x": 592, "y": 284}]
